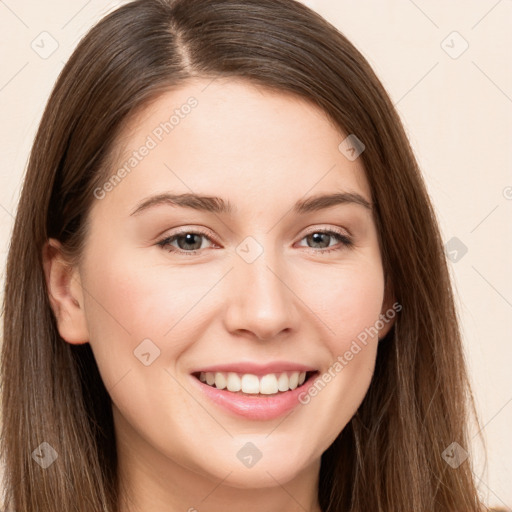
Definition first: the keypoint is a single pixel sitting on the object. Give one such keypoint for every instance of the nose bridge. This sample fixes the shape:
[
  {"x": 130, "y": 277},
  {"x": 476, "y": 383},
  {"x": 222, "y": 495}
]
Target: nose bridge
[{"x": 261, "y": 301}]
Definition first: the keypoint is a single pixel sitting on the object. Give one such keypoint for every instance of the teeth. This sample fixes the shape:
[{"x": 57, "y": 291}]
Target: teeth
[
  {"x": 234, "y": 383},
  {"x": 294, "y": 380},
  {"x": 248, "y": 383},
  {"x": 220, "y": 381},
  {"x": 283, "y": 382},
  {"x": 268, "y": 384}
]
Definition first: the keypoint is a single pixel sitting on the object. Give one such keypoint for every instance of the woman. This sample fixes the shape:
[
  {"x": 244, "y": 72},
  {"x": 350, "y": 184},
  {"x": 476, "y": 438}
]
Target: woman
[{"x": 258, "y": 367}]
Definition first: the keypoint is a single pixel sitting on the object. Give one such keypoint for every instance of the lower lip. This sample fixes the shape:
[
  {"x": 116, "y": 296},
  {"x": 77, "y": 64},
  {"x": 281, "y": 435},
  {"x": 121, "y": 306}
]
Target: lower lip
[{"x": 258, "y": 407}]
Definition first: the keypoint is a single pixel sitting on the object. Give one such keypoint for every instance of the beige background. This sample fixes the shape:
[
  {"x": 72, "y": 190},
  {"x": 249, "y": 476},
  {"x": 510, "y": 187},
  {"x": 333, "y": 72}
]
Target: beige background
[{"x": 456, "y": 103}]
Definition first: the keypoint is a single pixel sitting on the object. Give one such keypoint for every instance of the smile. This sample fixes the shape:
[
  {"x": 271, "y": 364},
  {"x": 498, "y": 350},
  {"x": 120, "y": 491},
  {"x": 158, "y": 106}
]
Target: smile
[
  {"x": 269, "y": 384},
  {"x": 254, "y": 397}
]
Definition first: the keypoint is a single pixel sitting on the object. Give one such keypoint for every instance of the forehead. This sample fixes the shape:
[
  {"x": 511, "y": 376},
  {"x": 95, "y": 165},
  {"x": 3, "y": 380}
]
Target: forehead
[{"x": 233, "y": 139}]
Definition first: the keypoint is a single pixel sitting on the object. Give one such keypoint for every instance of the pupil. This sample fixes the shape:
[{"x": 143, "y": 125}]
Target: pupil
[
  {"x": 317, "y": 237},
  {"x": 189, "y": 237}
]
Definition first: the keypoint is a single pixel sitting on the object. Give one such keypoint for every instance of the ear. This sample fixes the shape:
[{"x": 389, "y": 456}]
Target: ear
[
  {"x": 389, "y": 310},
  {"x": 65, "y": 293}
]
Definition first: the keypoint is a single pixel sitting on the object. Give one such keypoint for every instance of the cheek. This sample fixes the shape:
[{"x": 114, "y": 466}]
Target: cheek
[
  {"x": 124, "y": 306},
  {"x": 347, "y": 300},
  {"x": 343, "y": 383},
  {"x": 140, "y": 299},
  {"x": 129, "y": 301},
  {"x": 358, "y": 303}
]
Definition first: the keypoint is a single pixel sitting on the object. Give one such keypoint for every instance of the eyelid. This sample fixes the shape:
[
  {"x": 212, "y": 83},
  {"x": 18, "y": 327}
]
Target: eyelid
[{"x": 327, "y": 228}]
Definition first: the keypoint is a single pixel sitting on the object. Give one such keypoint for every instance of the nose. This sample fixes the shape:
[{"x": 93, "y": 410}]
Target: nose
[{"x": 261, "y": 301}]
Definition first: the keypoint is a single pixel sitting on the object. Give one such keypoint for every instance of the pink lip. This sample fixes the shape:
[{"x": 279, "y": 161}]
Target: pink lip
[
  {"x": 257, "y": 407},
  {"x": 257, "y": 369}
]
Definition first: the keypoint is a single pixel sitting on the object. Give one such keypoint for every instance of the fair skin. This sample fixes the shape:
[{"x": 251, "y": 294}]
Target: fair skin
[{"x": 262, "y": 151}]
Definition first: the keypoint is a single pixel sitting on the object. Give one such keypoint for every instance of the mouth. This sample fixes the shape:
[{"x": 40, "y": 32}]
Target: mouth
[{"x": 248, "y": 384}]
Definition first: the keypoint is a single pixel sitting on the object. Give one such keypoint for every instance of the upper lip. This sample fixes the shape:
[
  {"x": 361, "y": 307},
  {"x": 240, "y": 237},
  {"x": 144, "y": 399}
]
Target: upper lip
[{"x": 256, "y": 368}]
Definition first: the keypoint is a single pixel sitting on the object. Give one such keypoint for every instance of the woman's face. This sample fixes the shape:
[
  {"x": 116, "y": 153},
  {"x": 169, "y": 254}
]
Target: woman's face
[{"x": 264, "y": 282}]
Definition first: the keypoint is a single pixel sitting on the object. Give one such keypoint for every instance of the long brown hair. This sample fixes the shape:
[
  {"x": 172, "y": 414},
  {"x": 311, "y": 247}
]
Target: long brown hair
[{"x": 389, "y": 456}]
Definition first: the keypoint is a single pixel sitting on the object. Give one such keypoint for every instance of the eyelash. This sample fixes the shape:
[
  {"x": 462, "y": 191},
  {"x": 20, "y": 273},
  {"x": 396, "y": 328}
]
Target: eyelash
[{"x": 344, "y": 239}]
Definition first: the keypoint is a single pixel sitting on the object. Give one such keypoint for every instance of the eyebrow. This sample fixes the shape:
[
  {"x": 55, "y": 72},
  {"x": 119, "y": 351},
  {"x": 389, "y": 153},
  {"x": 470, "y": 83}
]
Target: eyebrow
[{"x": 218, "y": 205}]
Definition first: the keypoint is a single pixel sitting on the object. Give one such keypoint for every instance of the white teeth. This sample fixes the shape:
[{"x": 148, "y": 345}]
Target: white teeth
[
  {"x": 234, "y": 383},
  {"x": 268, "y": 384},
  {"x": 294, "y": 380},
  {"x": 220, "y": 380},
  {"x": 248, "y": 383},
  {"x": 283, "y": 382}
]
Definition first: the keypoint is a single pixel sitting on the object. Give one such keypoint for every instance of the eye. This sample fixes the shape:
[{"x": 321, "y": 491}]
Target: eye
[
  {"x": 321, "y": 238},
  {"x": 189, "y": 242}
]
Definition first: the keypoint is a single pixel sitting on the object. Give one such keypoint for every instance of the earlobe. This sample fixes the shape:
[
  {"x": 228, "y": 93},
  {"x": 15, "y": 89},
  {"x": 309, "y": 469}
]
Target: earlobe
[{"x": 65, "y": 294}]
